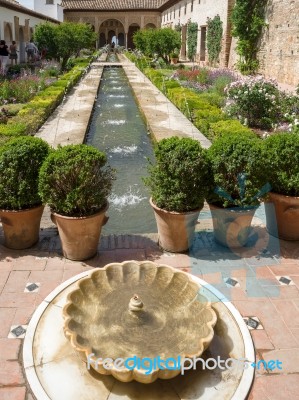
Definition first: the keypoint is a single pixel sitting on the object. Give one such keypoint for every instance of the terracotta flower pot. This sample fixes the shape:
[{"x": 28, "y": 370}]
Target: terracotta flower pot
[
  {"x": 175, "y": 229},
  {"x": 21, "y": 228},
  {"x": 282, "y": 216},
  {"x": 231, "y": 225},
  {"x": 80, "y": 235}
]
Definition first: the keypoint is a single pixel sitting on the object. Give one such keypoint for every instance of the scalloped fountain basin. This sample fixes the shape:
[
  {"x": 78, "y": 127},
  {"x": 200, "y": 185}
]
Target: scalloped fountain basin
[{"x": 138, "y": 309}]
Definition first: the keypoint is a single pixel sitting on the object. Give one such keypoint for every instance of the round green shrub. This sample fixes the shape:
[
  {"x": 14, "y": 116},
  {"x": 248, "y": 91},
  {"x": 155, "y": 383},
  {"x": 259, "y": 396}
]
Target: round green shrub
[
  {"x": 238, "y": 170},
  {"x": 282, "y": 162},
  {"x": 179, "y": 177},
  {"x": 20, "y": 161},
  {"x": 75, "y": 180}
]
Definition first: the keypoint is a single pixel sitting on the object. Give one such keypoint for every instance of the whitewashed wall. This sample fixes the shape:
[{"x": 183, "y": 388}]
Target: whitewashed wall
[{"x": 21, "y": 34}]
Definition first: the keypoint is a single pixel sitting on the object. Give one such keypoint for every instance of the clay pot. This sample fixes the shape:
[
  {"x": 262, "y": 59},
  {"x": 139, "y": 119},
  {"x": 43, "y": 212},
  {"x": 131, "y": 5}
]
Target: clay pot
[
  {"x": 21, "y": 227},
  {"x": 175, "y": 229},
  {"x": 232, "y": 226},
  {"x": 80, "y": 235},
  {"x": 282, "y": 216}
]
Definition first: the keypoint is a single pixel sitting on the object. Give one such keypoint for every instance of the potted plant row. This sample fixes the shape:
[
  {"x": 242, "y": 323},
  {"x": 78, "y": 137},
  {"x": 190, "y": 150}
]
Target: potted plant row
[
  {"x": 21, "y": 207},
  {"x": 239, "y": 185},
  {"x": 281, "y": 155},
  {"x": 75, "y": 182},
  {"x": 178, "y": 184}
]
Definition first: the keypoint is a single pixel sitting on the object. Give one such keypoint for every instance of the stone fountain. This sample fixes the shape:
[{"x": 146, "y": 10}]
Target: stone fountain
[
  {"x": 167, "y": 318},
  {"x": 135, "y": 309}
]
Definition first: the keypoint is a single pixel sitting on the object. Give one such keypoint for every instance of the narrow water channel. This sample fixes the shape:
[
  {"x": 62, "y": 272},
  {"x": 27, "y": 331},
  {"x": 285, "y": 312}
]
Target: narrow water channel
[{"x": 118, "y": 129}]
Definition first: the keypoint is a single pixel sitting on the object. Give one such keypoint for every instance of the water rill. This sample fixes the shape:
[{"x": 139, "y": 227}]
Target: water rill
[{"x": 118, "y": 128}]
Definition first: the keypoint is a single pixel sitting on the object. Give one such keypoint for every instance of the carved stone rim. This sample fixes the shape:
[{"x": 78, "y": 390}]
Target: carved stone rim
[{"x": 127, "y": 375}]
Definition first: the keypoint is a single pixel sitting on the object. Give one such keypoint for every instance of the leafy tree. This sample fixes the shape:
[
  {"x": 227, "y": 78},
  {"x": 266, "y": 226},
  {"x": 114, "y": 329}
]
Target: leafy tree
[
  {"x": 161, "y": 42},
  {"x": 64, "y": 40},
  {"x": 45, "y": 38},
  {"x": 141, "y": 40}
]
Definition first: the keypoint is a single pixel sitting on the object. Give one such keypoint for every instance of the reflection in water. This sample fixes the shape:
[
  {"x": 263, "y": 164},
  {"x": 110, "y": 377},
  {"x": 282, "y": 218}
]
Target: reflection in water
[{"x": 118, "y": 129}]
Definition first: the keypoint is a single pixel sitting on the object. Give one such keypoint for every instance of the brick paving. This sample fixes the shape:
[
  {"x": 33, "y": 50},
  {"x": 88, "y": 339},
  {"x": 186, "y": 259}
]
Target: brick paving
[{"x": 257, "y": 294}]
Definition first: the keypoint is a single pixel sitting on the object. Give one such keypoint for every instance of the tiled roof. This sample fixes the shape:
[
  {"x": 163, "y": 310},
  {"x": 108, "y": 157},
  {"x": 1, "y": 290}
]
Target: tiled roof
[{"x": 112, "y": 4}]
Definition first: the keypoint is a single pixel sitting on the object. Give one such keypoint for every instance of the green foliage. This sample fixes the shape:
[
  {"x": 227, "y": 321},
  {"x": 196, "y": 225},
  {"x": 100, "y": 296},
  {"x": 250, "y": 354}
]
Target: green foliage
[
  {"x": 232, "y": 157},
  {"x": 212, "y": 98},
  {"x": 20, "y": 90},
  {"x": 45, "y": 38},
  {"x": 20, "y": 161},
  {"x": 281, "y": 157},
  {"x": 160, "y": 42},
  {"x": 220, "y": 84},
  {"x": 179, "y": 177},
  {"x": 227, "y": 127},
  {"x": 13, "y": 128},
  {"x": 248, "y": 22},
  {"x": 33, "y": 114},
  {"x": 255, "y": 101},
  {"x": 75, "y": 181},
  {"x": 205, "y": 117},
  {"x": 192, "y": 32},
  {"x": 64, "y": 40},
  {"x": 214, "y": 36}
]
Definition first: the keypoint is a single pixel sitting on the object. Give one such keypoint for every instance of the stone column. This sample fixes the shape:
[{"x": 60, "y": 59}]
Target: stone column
[
  {"x": 184, "y": 38},
  {"x": 17, "y": 28},
  {"x": 27, "y": 31}
]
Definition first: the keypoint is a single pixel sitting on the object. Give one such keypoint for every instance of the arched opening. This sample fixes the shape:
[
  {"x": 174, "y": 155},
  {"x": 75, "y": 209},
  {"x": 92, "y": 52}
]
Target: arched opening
[
  {"x": 7, "y": 33},
  {"x": 150, "y": 26},
  {"x": 132, "y": 29},
  {"x": 21, "y": 44},
  {"x": 121, "y": 39},
  {"x": 102, "y": 39},
  {"x": 110, "y": 32},
  {"x": 111, "y": 37}
]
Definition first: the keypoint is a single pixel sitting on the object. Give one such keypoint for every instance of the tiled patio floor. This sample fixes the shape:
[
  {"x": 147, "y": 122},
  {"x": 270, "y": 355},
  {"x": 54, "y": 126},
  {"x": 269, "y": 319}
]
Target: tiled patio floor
[{"x": 251, "y": 280}]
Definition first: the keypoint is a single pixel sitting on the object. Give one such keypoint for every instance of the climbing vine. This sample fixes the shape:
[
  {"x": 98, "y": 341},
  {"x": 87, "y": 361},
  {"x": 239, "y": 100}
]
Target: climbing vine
[
  {"x": 192, "y": 29},
  {"x": 214, "y": 36},
  {"x": 248, "y": 20}
]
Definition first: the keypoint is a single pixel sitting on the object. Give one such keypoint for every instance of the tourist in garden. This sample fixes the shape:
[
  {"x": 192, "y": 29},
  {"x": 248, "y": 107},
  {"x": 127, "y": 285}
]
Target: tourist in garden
[
  {"x": 13, "y": 56},
  {"x": 4, "y": 53},
  {"x": 31, "y": 51}
]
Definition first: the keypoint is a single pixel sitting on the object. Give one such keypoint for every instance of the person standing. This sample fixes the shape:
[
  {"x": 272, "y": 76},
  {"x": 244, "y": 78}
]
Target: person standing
[
  {"x": 13, "y": 56},
  {"x": 31, "y": 50},
  {"x": 4, "y": 53}
]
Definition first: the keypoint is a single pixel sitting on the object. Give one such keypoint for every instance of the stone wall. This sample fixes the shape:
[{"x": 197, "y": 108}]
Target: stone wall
[{"x": 279, "y": 47}]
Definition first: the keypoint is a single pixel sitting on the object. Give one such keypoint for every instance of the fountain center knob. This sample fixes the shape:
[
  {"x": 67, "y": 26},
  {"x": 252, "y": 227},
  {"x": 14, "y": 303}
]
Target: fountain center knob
[{"x": 135, "y": 303}]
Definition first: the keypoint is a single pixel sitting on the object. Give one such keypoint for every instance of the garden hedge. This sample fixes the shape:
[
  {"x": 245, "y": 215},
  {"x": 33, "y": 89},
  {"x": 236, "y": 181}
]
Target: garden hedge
[{"x": 32, "y": 116}]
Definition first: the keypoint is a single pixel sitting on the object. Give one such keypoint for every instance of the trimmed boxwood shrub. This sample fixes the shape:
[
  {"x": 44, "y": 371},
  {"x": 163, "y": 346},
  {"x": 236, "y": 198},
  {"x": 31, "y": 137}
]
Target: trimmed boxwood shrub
[
  {"x": 179, "y": 177},
  {"x": 32, "y": 115},
  {"x": 203, "y": 118},
  {"x": 75, "y": 180},
  {"x": 227, "y": 127},
  {"x": 281, "y": 159},
  {"x": 212, "y": 98},
  {"x": 20, "y": 161},
  {"x": 238, "y": 170}
]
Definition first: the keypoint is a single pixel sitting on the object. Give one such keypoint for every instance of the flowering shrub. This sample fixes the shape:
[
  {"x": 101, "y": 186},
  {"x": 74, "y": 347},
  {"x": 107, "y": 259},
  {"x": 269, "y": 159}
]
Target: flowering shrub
[
  {"x": 202, "y": 79},
  {"x": 254, "y": 101},
  {"x": 20, "y": 90}
]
